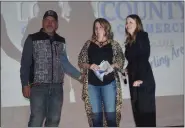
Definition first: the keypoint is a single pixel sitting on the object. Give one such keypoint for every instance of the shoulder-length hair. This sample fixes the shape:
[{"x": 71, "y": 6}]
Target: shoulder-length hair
[{"x": 107, "y": 28}]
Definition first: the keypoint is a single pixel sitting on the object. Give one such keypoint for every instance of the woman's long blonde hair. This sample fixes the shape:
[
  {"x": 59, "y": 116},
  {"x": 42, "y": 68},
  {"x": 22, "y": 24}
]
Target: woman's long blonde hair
[{"x": 139, "y": 27}]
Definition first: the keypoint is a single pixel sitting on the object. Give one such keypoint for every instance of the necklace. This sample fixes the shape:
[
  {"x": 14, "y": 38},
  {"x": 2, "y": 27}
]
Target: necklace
[{"x": 101, "y": 43}]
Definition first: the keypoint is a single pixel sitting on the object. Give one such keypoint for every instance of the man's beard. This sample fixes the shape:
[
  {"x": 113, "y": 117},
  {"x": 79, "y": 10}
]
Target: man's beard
[{"x": 50, "y": 30}]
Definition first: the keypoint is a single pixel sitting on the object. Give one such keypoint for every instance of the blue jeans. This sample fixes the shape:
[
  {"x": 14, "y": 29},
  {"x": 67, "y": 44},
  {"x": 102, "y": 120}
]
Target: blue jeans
[
  {"x": 107, "y": 95},
  {"x": 46, "y": 103}
]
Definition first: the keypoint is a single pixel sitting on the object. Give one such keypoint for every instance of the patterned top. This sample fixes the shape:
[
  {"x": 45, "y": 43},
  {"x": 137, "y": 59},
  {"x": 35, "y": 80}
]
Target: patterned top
[{"x": 119, "y": 58}]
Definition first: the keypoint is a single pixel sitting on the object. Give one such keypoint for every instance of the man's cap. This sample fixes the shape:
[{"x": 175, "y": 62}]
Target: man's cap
[{"x": 51, "y": 13}]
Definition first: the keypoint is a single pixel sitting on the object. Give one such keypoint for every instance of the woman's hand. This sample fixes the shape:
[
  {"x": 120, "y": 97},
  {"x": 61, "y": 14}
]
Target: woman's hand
[
  {"x": 94, "y": 67},
  {"x": 125, "y": 71},
  {"x": 137, "y": 83},
  {"x": 115, "y": 65}
]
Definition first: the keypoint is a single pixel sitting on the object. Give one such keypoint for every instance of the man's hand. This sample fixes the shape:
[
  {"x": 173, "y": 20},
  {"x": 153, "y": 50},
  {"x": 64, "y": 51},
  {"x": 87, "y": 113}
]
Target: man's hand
[
  {"x": 81, "y": 78},
  {"x": 26, "y": 91},
  {"x": 137, "y": 83}
]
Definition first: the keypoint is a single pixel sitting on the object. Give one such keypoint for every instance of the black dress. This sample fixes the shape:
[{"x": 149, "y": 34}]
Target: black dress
[{"x": 143, "y": 97}]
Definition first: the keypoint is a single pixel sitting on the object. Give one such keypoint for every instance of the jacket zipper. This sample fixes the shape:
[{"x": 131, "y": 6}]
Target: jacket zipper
[
  {"x": 55, "y": 50},
  {"x": 52, "y": 61}
]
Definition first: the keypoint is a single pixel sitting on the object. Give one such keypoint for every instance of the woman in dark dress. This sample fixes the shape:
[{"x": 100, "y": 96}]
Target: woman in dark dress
[{"x": 141, "y": 79}]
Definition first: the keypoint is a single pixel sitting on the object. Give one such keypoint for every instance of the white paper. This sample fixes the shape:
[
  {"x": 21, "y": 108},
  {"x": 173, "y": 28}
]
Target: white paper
[{"x": 105, "y": 68}]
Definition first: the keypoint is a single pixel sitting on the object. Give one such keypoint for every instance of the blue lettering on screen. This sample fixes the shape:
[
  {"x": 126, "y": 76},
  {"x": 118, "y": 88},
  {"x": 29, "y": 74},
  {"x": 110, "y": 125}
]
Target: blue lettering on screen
[
  {"x": 158, "y": 61},
  {"x": 149, "y": 11}
]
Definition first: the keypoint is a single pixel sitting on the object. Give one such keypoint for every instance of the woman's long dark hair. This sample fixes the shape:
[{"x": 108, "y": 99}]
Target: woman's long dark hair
[{"x": 139, "y": 27}]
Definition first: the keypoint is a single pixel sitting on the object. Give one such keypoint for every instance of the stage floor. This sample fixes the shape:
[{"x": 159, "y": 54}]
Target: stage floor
[{"x": 170, "y": 112}]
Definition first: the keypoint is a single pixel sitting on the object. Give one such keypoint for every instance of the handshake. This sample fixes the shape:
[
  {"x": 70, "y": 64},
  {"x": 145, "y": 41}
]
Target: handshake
[{"x": 104, "y": 69}]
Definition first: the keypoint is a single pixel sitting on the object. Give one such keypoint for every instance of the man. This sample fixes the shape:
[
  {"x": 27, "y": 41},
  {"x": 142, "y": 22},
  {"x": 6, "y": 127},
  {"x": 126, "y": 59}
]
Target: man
[{"x": 43, "y": 64}]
